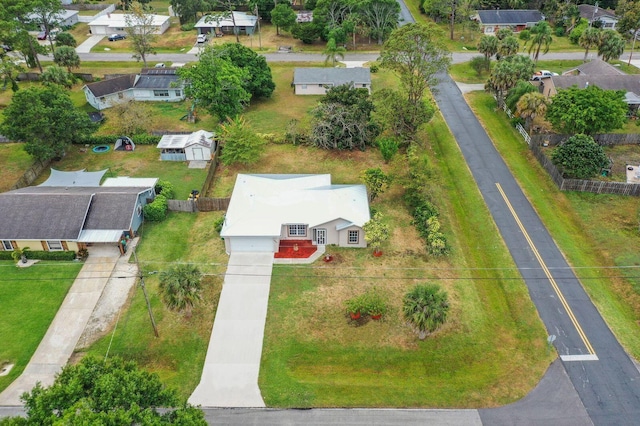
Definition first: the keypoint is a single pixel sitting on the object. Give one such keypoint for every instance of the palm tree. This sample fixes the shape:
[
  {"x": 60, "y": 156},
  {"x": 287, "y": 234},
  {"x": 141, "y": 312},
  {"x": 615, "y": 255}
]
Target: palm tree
[
  {"x": 589, "y": 38},
  {"x": 531, "y": 105},
  {"x": 180, "y": 287},
  {"x": 425, "y": 308},
  {"x": 332, "y": 52},
  {"x": 541, "y": 36},
  {"x": 509, "y": 46},
  {"x": 611, "y": 45},
  {"x": 488, "y": 46}
]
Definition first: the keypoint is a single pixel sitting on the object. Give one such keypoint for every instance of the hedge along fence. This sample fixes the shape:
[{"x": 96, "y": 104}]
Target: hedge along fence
[
  {"x": 66, "y": 255},
  {"x": 142, "y": 139},
  {"x": 604, "y": 139}
]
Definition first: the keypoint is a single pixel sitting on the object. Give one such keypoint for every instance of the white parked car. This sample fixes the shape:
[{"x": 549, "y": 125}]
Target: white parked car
[
  {"x": 543, "y": 74},
  {"x": 202, "y": 38}
]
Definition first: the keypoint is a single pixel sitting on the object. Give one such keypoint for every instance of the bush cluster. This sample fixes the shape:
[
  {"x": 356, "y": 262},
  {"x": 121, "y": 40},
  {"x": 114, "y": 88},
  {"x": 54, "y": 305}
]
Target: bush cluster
[
  {"x": 141, "y": 139},
  {"x": 42, "y": 255},
  {"x": 165, "y": 188},
  {"x": 424, "y": 212},
  {"x": 156, "y": 211},
  {"x": 187, "y": 27}
]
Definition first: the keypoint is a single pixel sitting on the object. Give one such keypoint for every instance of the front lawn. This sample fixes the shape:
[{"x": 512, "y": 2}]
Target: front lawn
[
  {"x": 30, "y": 299},
  {"x": 595, "y": 232}
]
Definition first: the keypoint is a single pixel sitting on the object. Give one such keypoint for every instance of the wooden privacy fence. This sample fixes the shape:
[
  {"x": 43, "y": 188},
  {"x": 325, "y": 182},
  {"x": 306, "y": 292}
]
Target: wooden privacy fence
[{"x": 200, "y": 205}]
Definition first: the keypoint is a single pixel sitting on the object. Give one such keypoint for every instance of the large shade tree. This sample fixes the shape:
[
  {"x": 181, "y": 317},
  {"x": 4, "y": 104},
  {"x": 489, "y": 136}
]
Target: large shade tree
[
  {"x": 416, "y": 53},
  {"x": 380, "y": 16},
  {"x": 283, "y": 16},
  {"x": 141, "y": 32},
  {"x": 591, "y": 110},
  {"x": 507, "y": 73},
  {"x": 105, "y": 392},
  {"x": 47, "y": 121},
  {"x": 216, "y": 84}
]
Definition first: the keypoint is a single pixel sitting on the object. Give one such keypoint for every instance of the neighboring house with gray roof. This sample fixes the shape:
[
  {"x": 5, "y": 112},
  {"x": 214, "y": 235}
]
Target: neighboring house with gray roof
[
  {"x": 593, "y": 14},
  {"x": 628, "y": 83},
  {"x": 316, "y": 81},
  {"x": 54, "y": 218},
  {"x": 517, "y": 20},
  {"x": 152, "y": 84},
  {"x": 594, "y": 67}
]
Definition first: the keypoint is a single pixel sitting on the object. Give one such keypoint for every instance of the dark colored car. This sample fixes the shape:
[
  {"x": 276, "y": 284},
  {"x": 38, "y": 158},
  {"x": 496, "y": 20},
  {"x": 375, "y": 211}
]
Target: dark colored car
[{"x": 116, "y": 37}]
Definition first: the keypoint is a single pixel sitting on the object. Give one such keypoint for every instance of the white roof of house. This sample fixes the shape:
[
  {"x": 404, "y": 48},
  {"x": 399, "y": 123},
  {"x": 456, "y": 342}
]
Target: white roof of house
[
  {"x": 200, "y": 137},
  {"x": 62, "y": 16},
  {"x": 261, "y": 204},
  {"x": 126, "y": 181},
  {"x": 242, "y": 19},
  {"x": 118, "y": 20},
  {"x": 100, "y": 235}
]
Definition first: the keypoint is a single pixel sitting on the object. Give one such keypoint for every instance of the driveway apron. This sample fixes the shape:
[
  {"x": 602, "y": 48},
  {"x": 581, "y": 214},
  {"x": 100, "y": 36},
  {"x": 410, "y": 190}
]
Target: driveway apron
[
  {"x": 231, "y": 368},
  {"x": 604, "y": 376},
  {"x": 61, "y": 338}
]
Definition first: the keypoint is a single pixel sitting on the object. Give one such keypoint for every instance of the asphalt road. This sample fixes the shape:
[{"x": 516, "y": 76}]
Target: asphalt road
[{"x": 608, "y": 385}]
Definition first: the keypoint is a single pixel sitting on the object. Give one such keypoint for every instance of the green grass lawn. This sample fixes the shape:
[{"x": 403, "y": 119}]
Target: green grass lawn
[
  {"x": 30, "y": 299},
  {"x": 14, "y": 161},
  {"x": 143, "y": 162},
  {"x": 593, "y": 231}
]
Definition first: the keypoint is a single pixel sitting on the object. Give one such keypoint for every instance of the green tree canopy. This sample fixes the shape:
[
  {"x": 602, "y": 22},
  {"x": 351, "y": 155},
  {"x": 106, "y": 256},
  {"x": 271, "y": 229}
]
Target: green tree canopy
[
  {"x": 332, "y": 52},
  {"x": 65, "y": 39},
  {"x": 258, "y": 80},
  {"x": 398, "y": 116},
  {"x": 57, "y": 75},
  {"x": 508, "y": 46},
  {"x": 629, "y": 23},
  {"x": 380, "y": 16},
  {"x": 579, "y": 157},
  {"x": 140, "y": 31},
  {"x": 46, "y": 119},
  {"x": 283, "y": 16},
  {"x": 240, "y": 144},
  {"x": 66, "y": 56},
  {"x": 514, "y": 94},
  {"x": 507, "y": 73},
  {"x": 589, "y": 39},
  {"x": 611, "y": 45},
  {"x": 488, "y": 46},
  {"x": 306, "y": 32},
  {"x": 540, "y": 39},
  {"x": 216, "y": 84},
  {"x": 416, "y": 53},
  {"x": 376, "y": 182},
  {"x": 425, "y": 307},
  {"x": 591, "y": 110},
  {"x": 111, "y": 392},
  {"x": 376, "y": 231},
  {"x": 530, "y": 106}
]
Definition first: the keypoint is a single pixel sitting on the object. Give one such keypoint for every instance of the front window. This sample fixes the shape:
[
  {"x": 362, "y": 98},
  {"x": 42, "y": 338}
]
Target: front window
[
  {"x": 6, "y": 245},
  {"x": 178, "y": 93},
  {"x": 297, "y": 230},
  {"x": 161, "y": 93},
  {"x": 54, "y": 245},
  {"x": 353, "y": 237}
]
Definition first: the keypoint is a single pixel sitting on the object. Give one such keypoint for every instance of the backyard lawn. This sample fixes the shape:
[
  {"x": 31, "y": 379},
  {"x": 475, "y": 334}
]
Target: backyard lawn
[
  {"x": 597, "y": 233},
  {"x": 14, "y": 161},
  {"x": 30, "y": 299}
]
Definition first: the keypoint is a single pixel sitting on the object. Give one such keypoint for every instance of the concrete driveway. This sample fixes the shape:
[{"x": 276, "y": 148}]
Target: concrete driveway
[
  {"x": 86, "y": 46},
  {"x": 231, "y": 368},
  {"x": 61, "y": 338}
]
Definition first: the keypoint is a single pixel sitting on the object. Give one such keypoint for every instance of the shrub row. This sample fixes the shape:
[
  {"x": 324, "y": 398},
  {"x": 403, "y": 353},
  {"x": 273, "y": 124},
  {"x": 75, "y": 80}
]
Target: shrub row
[
  {"x": 424, "y": 212},
  {"x": 111, "y": 139},
  {"x": 156, "y": 211},
  {"x": 42, "y": 255}
]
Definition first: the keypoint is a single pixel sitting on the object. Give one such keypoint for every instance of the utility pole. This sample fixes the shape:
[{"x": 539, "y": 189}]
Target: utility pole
[
  {"x": 259, "y": 35},
  {"x": 146, "y": 298}
]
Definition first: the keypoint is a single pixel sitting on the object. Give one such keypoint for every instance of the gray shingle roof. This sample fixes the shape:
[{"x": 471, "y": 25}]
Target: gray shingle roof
[
  {"x": 150, "y": 81},
  {"x": 509, "y": 17},
  {"x": 112, "y": 85},
  {"x": 335, "y": 76},
  {"x": 598, "y": 67},
  {"x": 628, "y": 83},
  {"x": 59, "y": 213},
  {"x": 588, "y": 12}
]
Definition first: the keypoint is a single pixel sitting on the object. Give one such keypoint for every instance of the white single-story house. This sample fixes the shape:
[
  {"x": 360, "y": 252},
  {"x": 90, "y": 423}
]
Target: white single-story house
[
  {"x": 73, "y": 212},
  {"x": 517, "y": 20},
  {"x": 316, "y": 81},
  {"x": 113, "y": 23},
  {"x": 267, "y": 209},
  {"x": 66, "y": 18},
  {"x": 152, "y": 84},
  {"x": 244, "y": 24},
  {"x": 608, "y": 19},
  {"x": 197, "y": 146}
]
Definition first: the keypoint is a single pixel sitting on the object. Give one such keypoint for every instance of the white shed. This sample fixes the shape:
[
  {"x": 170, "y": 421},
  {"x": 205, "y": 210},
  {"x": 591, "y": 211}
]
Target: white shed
[{"x": 197, "y": 146}]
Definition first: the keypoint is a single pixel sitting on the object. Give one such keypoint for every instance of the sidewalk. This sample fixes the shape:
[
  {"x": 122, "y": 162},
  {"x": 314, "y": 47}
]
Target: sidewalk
[{"x": 231, "y": 368}]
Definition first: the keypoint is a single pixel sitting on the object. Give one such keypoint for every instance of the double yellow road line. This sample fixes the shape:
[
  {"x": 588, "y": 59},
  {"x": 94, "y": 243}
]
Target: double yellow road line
[{"x": 567, "y": 308}]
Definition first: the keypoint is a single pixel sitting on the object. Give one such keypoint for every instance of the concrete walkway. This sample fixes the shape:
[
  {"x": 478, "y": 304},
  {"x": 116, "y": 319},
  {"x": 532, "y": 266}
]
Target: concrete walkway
[
  {"x": 86, "y": 46},
  {"x": 231, "y": 368},
  {"x": 61, "y": 338}
]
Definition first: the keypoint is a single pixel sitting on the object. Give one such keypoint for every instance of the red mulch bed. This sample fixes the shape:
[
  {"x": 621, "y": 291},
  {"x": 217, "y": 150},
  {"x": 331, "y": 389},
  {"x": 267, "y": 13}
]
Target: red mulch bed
[{"x": 287, "y": 250}]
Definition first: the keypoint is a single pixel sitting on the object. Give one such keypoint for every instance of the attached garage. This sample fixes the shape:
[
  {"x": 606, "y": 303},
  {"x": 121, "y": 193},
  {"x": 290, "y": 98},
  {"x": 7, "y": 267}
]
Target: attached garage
[{"x": 253, "y": 244}]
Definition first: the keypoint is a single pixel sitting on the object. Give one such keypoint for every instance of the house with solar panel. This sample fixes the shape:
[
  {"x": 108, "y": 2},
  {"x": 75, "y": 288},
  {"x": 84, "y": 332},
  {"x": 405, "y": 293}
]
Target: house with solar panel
[
  {"x": 151, "y": 85},
  {"x": 517, "y": 20}
]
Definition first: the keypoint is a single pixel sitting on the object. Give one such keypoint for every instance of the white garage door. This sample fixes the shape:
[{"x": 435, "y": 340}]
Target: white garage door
[{"x": 259, "y": 244}]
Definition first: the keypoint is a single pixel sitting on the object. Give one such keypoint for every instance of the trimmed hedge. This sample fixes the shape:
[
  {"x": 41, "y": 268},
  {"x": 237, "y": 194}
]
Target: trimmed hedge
[
  {"x": 111, "y": 139},
  {"x": 42, "y": 255},
  {"x": 156, "y": 211}
]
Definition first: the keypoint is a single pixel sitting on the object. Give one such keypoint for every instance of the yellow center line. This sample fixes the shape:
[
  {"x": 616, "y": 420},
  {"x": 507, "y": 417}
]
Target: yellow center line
[{"x": 547, "y": 273}]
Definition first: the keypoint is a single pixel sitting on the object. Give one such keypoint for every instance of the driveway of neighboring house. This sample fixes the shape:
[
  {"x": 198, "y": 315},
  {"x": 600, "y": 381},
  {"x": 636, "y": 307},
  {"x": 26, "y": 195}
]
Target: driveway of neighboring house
[
  {"x": 230, "y": 373},
  {"x": 86, "y": 46},
  {"x": 63, "y": 334}
]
